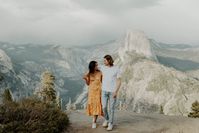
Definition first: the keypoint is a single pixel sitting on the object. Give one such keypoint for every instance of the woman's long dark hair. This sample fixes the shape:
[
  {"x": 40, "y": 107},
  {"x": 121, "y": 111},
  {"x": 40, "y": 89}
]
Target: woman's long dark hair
[{"x": 91, "y": 67}]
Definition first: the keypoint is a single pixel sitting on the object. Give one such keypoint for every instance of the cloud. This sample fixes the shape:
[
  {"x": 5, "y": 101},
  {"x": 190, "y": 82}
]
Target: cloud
[
  {"x": 79, "y": 22},
  {"x": 116, "y": 5},
  {"x": 33, "y": 9},
  {"x": 40, "y": 22}
]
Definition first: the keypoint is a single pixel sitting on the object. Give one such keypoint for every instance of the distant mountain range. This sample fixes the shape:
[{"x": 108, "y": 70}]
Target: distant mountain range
[{"x": 153, "y": 73}]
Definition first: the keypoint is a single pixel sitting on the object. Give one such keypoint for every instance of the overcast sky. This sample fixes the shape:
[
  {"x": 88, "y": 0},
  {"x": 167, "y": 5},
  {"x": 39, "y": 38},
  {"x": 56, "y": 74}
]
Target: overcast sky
[{"x": 80, "y": 22}]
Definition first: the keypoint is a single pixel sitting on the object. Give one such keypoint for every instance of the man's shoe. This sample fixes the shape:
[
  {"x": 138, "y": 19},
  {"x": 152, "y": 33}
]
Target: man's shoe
[
  {"x": 110, "y": 127},
  {"x": 105, "y": 123},
  {"x": 94, "y": 125}
]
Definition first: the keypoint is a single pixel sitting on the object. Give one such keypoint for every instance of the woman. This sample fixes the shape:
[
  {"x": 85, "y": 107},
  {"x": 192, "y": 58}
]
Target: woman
[{"x": 94, "y": 81}]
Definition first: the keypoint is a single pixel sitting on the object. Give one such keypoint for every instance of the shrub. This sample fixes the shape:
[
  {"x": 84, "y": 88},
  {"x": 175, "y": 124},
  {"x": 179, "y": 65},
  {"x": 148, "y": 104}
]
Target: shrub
[
  {"x": 7, "y": 96},
  {"x": 32, "y": 115},
  {"x": 195, "y": 110}
]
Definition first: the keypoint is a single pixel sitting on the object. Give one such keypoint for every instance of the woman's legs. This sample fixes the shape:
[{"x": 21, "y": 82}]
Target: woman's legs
[
  {"x": 95, "y": 118},
  {"x": 94, "y": 125}
]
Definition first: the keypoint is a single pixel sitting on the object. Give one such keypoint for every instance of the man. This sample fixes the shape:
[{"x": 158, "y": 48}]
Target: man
[{"x": 111, "y": 82}]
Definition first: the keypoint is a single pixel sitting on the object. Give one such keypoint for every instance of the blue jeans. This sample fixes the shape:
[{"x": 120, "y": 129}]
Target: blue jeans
[{"x": 108, "y": 97}]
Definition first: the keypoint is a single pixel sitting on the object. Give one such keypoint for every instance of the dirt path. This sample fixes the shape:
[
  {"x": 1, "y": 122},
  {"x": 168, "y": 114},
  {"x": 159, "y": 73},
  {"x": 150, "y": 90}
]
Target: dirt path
[{"x": 129, "y": 122}]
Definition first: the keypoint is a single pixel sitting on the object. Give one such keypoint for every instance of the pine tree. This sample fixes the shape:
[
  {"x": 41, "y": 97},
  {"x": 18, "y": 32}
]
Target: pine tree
[
  {"x": 195, "y": 110},
  {"x": 161, "y": 110},
  {"x": 7, "y": 96},
  {"x": 48, "y": 92}
]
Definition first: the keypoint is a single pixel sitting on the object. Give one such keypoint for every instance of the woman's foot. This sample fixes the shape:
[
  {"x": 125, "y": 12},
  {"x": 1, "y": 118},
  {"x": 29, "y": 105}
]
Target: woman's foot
[{"x": 94, "y": 125}]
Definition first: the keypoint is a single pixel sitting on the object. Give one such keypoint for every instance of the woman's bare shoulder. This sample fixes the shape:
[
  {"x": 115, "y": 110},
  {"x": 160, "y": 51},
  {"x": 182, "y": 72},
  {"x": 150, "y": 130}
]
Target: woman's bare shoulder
[{"x": 99, "y": 72}]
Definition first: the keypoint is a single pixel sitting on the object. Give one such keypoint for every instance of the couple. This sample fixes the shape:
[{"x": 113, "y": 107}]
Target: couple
[{"x": 104, "y": 83}]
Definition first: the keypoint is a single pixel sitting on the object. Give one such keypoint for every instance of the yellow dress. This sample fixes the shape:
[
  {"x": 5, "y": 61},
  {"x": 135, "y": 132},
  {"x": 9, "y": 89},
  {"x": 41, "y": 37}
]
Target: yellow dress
[{"x": 94, "y": 105}]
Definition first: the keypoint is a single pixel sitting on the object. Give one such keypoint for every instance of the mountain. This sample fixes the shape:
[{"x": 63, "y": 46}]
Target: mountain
[
  {"x": 27, "y": 62},
  {"x": 147, "y": 85},
  {"x": 8, "y": 77},
  {"x": 193, "y": 73},
  {"x": 137, "y": 42},
  {"x": 182, "y": 57},
  {"x": 153, "y": 73},
  {"x": 5, "y": 61}
]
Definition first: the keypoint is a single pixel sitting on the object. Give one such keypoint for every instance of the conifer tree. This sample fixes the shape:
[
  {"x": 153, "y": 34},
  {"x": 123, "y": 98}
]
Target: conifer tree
[
  {"x": 47, "y": 87},
  {"x": 195, "y": 110},
  {"x": 161, "y": 110}
]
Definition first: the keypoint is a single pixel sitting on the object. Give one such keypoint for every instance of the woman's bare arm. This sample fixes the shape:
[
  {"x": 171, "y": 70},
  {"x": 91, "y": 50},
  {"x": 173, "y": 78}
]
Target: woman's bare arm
[{"x": 86, "y": 78}]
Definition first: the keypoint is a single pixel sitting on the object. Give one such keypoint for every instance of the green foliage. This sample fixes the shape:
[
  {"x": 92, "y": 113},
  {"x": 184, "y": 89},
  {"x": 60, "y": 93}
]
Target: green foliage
[
  {"x": 32, "y": 115},
  {"x": 161, "y": 110},
  {"x": 7, "y": 96},
  {"x": 195, "y": 110},
  {"x": 48, "y": 92}
]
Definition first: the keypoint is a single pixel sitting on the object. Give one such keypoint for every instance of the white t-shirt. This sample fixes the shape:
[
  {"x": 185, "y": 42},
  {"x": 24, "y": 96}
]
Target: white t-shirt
[{"x": 109, "y": 78}]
